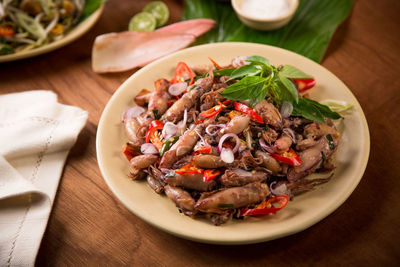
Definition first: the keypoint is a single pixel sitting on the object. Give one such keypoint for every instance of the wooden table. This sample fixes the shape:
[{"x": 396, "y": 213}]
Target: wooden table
[{"x": 90, "y": 226}]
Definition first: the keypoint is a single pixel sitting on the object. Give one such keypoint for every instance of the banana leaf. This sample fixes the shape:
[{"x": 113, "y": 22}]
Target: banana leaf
[{"x": 308, "y": 33}]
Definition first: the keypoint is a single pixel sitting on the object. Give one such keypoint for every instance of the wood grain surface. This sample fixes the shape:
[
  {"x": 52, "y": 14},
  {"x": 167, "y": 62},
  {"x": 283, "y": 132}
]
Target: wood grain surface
[{"x": 89, "y": 226}]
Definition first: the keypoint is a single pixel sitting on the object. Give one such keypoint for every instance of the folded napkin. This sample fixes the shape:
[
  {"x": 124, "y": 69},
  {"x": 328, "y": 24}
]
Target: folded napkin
[{"x": 36, "y": 134}]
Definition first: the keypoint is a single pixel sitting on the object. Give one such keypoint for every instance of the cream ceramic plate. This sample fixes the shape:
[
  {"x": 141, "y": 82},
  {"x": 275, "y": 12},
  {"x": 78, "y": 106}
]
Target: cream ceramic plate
[
  {"x": 304, "y": 211},
  {"x": 71, "y": 36}
]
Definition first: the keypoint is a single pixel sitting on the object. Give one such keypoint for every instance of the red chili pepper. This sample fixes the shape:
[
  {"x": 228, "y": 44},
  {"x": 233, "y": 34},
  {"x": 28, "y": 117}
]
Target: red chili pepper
[
  {"x": 290, "y": 157},
  {"x": 189, "y": 169},
  {"x": 213, "y": 111},
  {"x": 203, "y": 150},
  {"x": 130, "y": 151},
  {"x": 218, "y": 67},
  {"x": 245, "y": 109},
  {"x": 6, "y": 30},
  {"x": 183, "y": 72},
  {"x": 151, "y": 134},
  {"x": 266, "y": 207},
  {"x": 208, "y": 175},
  {"x": 304, "y": 84}
]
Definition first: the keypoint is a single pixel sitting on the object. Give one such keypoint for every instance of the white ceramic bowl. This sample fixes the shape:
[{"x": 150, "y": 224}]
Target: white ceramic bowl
[
  {"x": 304, "y": 211},
  {"x": 265, "y": 24}
]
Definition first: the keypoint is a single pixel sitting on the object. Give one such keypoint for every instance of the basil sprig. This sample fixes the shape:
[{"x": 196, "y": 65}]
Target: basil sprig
[{"x": 259, "y": 78}]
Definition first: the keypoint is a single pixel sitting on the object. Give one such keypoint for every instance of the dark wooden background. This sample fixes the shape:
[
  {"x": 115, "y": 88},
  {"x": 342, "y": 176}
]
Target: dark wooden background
[{"x": 89, "y": 226}]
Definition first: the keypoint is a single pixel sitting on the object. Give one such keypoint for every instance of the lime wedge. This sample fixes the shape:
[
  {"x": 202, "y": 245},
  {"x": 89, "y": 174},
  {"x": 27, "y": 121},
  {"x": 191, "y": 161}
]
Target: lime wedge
[
  {"x": 142, "y": 22},
  {"x": 159, "y": 10}
]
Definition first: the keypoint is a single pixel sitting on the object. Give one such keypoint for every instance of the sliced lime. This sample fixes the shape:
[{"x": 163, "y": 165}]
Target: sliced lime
[
  {"x": 159, "y": 10},
  {"x": 142, "y": 22}
]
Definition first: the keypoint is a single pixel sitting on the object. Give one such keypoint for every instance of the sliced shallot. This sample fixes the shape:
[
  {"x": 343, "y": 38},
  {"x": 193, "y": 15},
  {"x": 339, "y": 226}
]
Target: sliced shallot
[
  {"x": 263, "y": 145},
  {"x": 148, "y": 148},
  {"x": 227, "y": 155},
  {"x": 278, "y": 190},
  {"x": 177, "y": 88},
  {"x": 224, "y": 137},
  {"x": 289, "y": 132},
  {"x": 209, "y": 127},
  {"x": 131, "y": 113},
  {"x": 169, "y": 130},
  {"x": 286, "y": 109}
]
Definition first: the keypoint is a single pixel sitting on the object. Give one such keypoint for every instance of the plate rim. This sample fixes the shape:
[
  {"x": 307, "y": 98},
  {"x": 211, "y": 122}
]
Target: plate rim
[
  {"x": 75, "y": 33},
  {"x": 345, "y": 194}
]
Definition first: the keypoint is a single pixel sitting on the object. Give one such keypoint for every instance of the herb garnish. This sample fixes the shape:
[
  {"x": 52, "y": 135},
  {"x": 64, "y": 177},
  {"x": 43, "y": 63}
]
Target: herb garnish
[
  {"x": 259, "y": 78},
  {"x": 330, "y": 142}
]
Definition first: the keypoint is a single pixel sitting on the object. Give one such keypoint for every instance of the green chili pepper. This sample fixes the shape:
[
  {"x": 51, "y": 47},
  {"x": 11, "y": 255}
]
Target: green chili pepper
[
  {"x": 330, "y": 142},
  {"x": 167, "y": 145}
]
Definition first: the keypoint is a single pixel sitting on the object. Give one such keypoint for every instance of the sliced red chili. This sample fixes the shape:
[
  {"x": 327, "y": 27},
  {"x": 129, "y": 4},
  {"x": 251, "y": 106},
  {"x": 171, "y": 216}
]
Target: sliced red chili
[
  {"x": 267, "y": 207},
  {"x": 304, "y": 84},
  {"x": 6, "y": 30},
  {"x": 209, "y": 175},
  {"x": 245, "y": 109},
  {"x": 189, "y": 169},
  {"x": 182, "y": 73},
  {"x": 218, "y": 67},
  {"x": 203, "y": 150},
  {"x": 154, "y": 126},
  {"x": 289, "y": 157},
  {"x": 212, "y": 111},
  {"x": 130, "y": 151}
]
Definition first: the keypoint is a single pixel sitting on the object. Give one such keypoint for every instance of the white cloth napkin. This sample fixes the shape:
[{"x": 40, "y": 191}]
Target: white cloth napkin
[{"x": 36, "y": 134}]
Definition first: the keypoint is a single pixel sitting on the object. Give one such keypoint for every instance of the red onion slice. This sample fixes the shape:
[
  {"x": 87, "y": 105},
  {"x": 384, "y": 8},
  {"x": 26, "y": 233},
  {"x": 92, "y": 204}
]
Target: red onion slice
[
  {"x": 209, "y": 127},
  {"x": 286, "y": 109},
  {"x": 148, "y": 148},
  {"x": 182, "y": 124},
  {"x": 177, "y": 88},
  {"x": 263, "y": 145},
  {"x": 227, "y": 155},
  {"x": 169, "y": 130},
  {"x": 289, "y": 132},
  {"x": 241, "y": 172},
  {"x": 224, "y": 137},
  {"x": 279, "y": 190},
  {"x": 131, "y": 113}
]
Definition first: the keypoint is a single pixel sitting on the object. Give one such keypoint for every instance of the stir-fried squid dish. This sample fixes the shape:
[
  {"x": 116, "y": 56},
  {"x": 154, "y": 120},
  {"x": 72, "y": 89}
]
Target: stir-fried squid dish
[
  {"x": 27, "y": 24},
  {"x": 230, "y": 142}
]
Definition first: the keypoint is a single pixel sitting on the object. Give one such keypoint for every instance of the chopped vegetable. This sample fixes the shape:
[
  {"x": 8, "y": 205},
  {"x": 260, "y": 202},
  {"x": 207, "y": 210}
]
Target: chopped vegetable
[
  {"x": 6, "y": 30},
  {"x": 152, "y": 136},
  {"x": 203, "y": 150},
  {"x": 245, "y": 109},
  {"x": 267, "y": 207},
  {"x": 189, "y": 169},
  {"x": 336, "y": 105},
  {"x": 218, "y": 67},
  {"x": 304, "y": 84},
  {"x": 212, "y": 111},
  {"x": 182, "y": 73},
  {"x": 168, "y": 144},
  {"x": 209, "y": 175},
  {"x": 130, "y": 151},
  {"x": 289, "y": 157}
]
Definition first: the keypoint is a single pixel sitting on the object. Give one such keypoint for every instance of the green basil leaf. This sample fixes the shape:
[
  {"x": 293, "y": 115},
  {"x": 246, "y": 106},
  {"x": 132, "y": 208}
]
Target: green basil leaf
[
  {"x": 288, "y": 84},
  {"x": 325, "y": 110},
  {"x": 313, "y": 110},
  {"x": 246, "y": 70},
  {"x": 249, "y": 88},
  {"x": 258, "y": 60},
  {"x": 223, "y": 72},
  {"x": 292, "y": 72}
]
